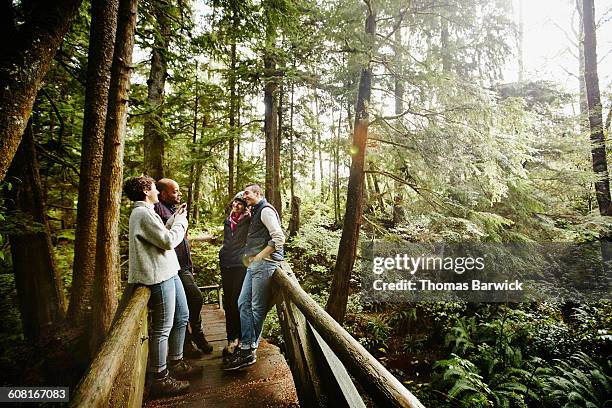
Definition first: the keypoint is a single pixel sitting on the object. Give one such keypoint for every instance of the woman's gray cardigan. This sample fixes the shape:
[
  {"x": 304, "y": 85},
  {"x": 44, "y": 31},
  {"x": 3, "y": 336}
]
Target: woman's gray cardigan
[{"x": 152, "y": 258}]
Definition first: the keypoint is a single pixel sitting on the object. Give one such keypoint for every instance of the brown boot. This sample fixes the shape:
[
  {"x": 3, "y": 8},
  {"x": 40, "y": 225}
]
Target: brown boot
[
  {"x": 200, "y": 341},
  {"x": 183, "y": 370},
  {"x": 190, "y": 352},
  {"x": 167, "y": 386}
]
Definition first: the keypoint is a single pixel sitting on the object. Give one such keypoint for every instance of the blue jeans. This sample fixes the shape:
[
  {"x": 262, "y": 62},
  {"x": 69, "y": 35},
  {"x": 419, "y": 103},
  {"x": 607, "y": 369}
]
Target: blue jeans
[
  {"x": 169, "y": 316},
  {"x": 253, "y": 301}
]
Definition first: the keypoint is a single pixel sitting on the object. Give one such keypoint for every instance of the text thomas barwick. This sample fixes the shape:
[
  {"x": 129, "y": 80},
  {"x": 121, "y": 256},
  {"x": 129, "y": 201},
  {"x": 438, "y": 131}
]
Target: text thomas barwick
[{"x": 428, "y": 285}]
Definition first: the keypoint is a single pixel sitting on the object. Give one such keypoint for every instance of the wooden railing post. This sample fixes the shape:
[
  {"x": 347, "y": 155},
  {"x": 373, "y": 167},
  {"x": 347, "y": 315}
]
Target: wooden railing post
[
  {"x": 317, "y": 380},
  {"x": 371, "y": 374},
  {"x": 299, "y": 352},
  {"x": 116, "y": 375}
]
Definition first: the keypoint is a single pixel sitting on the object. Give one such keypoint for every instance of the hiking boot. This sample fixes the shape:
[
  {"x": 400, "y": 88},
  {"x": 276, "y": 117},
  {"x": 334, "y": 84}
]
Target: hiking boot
[
  {"x": 229, "y": 351},
  {"x": 167, "y": 387},
  {"x": 242, "y": 358},
  {"x": 200, "y": 341},
  {"x": 231, "y": 347},
  {"x": 182, "y": 370},
  {"x": 190, "y": 352}
]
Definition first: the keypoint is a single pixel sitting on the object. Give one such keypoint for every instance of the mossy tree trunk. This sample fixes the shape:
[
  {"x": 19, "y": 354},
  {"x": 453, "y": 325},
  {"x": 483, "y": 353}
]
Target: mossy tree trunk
[
  {"x": 336, "y": 304},
  {"x": 100, "y": 58},
  {"x": 27, "y": 51},
  {"x": 153, "y": 126},
  {"x": 591, "y": 82},
  {"x": 39, "y": 287},
  {"x": 106, "y": 278}
]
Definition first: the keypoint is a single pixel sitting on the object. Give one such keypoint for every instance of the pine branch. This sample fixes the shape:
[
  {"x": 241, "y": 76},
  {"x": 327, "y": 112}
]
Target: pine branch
[
  {"x": 58, "y": 114},
  {"x": 389, "y": 142}
]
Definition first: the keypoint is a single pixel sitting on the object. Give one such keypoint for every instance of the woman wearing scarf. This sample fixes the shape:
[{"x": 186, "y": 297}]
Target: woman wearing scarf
[{"x": 235, "y": 229}]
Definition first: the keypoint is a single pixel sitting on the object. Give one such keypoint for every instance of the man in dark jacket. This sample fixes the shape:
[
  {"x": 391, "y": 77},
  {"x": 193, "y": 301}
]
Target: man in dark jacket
[
  {"x": 263, "y": 252},
  {"x": 235, "y": 230},
  {"x": 169, "y": 197}
]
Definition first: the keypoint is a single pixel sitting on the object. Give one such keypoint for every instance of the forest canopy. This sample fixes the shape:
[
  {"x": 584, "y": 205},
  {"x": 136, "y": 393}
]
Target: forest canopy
[{"x": 363, "y": 120}]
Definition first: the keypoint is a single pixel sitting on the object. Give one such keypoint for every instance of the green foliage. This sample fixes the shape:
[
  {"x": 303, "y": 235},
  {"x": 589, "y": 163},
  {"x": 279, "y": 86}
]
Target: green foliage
[
  {"x": 272, "y": 328},
  {"x": 460, "y": 335},
  {"x": 496, "y": 360},
  {"x": 593, "y": 326},
  {"x": 467, "y": 385},
  {"x": 376, "y": 337},
  {"x": 577, "y": 382},
  {"x": 12, "y": 340},
  {"x": 313, "y": 250},
  {"x": 401, "y": 318},
  {"x": 205, "y": 257},
  {"x": 63, "y": 255}
]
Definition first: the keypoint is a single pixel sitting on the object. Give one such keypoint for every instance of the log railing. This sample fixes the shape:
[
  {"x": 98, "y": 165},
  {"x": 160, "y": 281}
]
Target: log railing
[
  {"x": 116, "y": 376},
  {"x": 324, "y": 357}
]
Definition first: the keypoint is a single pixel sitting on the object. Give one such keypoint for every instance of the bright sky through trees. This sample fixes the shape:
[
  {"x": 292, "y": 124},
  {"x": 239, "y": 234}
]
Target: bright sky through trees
[{"x": 550, "y": 27}]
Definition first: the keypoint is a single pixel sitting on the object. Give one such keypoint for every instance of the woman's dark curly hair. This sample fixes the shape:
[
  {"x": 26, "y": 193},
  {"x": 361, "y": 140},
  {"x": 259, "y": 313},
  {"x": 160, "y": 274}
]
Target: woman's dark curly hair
[{"x": 135, "y": 187}]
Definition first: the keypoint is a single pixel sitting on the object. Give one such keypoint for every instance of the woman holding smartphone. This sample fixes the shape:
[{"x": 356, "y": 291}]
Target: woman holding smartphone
[{"x": 153, "y": 262}]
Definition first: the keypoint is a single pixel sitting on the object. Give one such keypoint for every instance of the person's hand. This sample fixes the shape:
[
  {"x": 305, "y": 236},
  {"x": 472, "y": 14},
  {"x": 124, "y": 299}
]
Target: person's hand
[{"x": 181, "y": 209}]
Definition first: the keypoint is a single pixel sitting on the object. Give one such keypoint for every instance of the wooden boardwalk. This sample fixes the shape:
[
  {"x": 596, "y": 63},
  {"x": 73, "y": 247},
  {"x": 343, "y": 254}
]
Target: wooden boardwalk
[{"x": 267, "y": 383}]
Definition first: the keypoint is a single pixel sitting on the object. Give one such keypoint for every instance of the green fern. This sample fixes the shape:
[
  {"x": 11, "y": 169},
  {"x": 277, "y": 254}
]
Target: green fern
[
  {"x": 460, "y": 335},
  {"x": 578, "y": 382}
]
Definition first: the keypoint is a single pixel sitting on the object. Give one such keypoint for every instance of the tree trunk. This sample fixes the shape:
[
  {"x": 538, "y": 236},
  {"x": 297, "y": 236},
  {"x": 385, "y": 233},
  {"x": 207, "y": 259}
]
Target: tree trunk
[
  {"x": 584, "y": 106},
  {"x": 232, "y": 122},
  {"x": 194, "y": 140},
  {"x": 272, "y": 185},
  {"x": 399, "y": 102},
  {"x": 238, "y": 157},
  {"x": 294, "y": 223},
  {"x": 291, "y": 146},
  {"x": 313, "y": 150},
  {"x": 399, "y": 214},
  {"x": 399, "y": 69},
  {"x": 444, "y": 47},
  {"x": 598, "y": 147},
  {"x": 107, "y": 252},
  {"x": 100, "y": 58},
  {"x": 196, "y": 193},
  {"x": 27, "y": 53},
  {"x": 336, "y": 304},
  {"x": 319, "y": 148},
  {"x": 279, "y": 135},
  {"x": 379, "y": 197},
  {"x": 153, "y": 124},
  {"x": 39, "y": 287},
  {"x": 337, "y": 170}
]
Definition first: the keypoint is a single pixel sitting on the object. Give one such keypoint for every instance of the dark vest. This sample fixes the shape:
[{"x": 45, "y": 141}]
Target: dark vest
[
  {"x": 259, "y": 236},
  {"x": 232, "y": 250}
]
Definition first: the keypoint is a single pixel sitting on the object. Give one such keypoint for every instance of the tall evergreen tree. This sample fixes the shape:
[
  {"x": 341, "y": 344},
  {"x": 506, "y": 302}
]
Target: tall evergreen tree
[
  {"x": 27, "y": 51},
  {"x": 347, "y": 250},
  {"x": 39, "y": 287},
  {"x": 591, "y": 80},
  {"x": 100, "y": 58},
  {"x": 106, "y": 277},
  {"x": 154, "y": 124}
]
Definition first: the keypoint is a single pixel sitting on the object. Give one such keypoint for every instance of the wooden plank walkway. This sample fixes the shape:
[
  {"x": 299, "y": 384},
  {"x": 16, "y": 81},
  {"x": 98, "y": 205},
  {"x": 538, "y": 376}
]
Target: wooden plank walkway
[{"x": 267, "y": 383}]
